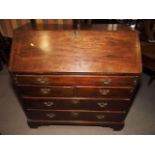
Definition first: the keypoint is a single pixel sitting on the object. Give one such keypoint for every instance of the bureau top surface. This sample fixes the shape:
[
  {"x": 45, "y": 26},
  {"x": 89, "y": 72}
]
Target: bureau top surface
[{"x": 67, "y": 51}]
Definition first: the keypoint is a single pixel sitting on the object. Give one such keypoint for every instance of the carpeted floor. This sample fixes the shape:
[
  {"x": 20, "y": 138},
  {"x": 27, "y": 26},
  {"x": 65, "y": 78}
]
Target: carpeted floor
[{"x": 140, "y": 120}]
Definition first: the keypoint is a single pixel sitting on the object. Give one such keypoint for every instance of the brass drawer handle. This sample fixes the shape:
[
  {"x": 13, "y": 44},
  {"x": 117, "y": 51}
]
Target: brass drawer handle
[
  {"x": 107, "y": 81},
  {"x": 104, "y": 91},
  {"x": 74, "y": 114},
  {"x": 48, "y": 103},
  {"x": 50, "y": 115},
  {"x": 75, "y": 101},
  {"x": 42, "y": 80},
  {"x": 45, "y": 90},
  {"x": 102, "y": 104},
  {"x": 100, "y": 117}
]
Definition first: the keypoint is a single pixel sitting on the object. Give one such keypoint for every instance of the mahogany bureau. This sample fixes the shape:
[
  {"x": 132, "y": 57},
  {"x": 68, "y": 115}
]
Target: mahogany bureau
[{"x": 85, "y": 77}]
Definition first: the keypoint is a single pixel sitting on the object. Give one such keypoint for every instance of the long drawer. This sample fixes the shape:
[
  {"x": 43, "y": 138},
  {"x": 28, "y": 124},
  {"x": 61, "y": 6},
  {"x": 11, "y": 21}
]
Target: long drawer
[
  {"x": 76, "y": 79},
  {"x": 75, "y": 115},
  {"x": 76, "y": 104}
]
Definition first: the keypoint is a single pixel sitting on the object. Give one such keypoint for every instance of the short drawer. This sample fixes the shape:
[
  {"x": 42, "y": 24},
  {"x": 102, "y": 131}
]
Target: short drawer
[
  {"x": 75, "y": 115},
  {"x": 39, "y": 91},
  {"x": 76, "y": 104},
  {"x": 106, "y": 92},
  {"x": 76, "y": 80}
]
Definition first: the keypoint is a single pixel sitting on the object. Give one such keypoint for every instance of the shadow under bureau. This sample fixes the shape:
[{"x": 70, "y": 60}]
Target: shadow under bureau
[{"x": 87, "y": 77}]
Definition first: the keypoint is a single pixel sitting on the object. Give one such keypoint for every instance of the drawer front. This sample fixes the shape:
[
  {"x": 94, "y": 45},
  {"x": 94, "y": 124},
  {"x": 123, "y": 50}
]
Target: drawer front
[
  {"x": 75, "y": 115},
  {"x": 76, "y": 80},
  {"x": 45, "y": 91},
  {"x": 76, "y": 104},
  {"x": 105, "y": 92}
]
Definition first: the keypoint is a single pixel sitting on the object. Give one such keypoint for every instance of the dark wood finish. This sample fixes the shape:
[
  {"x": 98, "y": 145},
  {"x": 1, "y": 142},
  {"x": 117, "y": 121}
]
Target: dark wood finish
[
  {"x": 148, "y": 57},
  {"x": 107, "y": 92},
  {"x": 75, "y": 77},
  {"x": 75, "y": 115},
  {"x": 117, "y": 126},
  {"x": 78, "y": 91},
  {"x": 45, "y": 91},
  {"x": 76, "y": 103},
  {"x": 83, "y": 52},
  {"x": 147, "y": 33}
]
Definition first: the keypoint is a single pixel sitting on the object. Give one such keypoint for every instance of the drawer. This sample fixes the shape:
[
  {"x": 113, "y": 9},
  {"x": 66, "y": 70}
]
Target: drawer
[
  {"x": 76, "y": 104},
  {"x": 45, "y": 91},
  {"x": 106, "y": 92},
  {"x": 76, "y": 80},
  {"x": 75, "y": 115}
]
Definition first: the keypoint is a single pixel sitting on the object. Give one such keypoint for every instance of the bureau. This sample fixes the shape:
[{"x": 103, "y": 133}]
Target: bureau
[{"x": 84, "y": 77}]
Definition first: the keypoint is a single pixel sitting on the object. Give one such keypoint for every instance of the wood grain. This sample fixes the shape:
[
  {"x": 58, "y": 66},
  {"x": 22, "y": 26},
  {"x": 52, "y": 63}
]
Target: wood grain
[
  {"x": 57, "y": 80},
  {"x": 76, "y": 103},
  {"x": 83, "y": 52},
  {"x": 75, "y": 77},
  {"x": 80, "y": 115}
]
